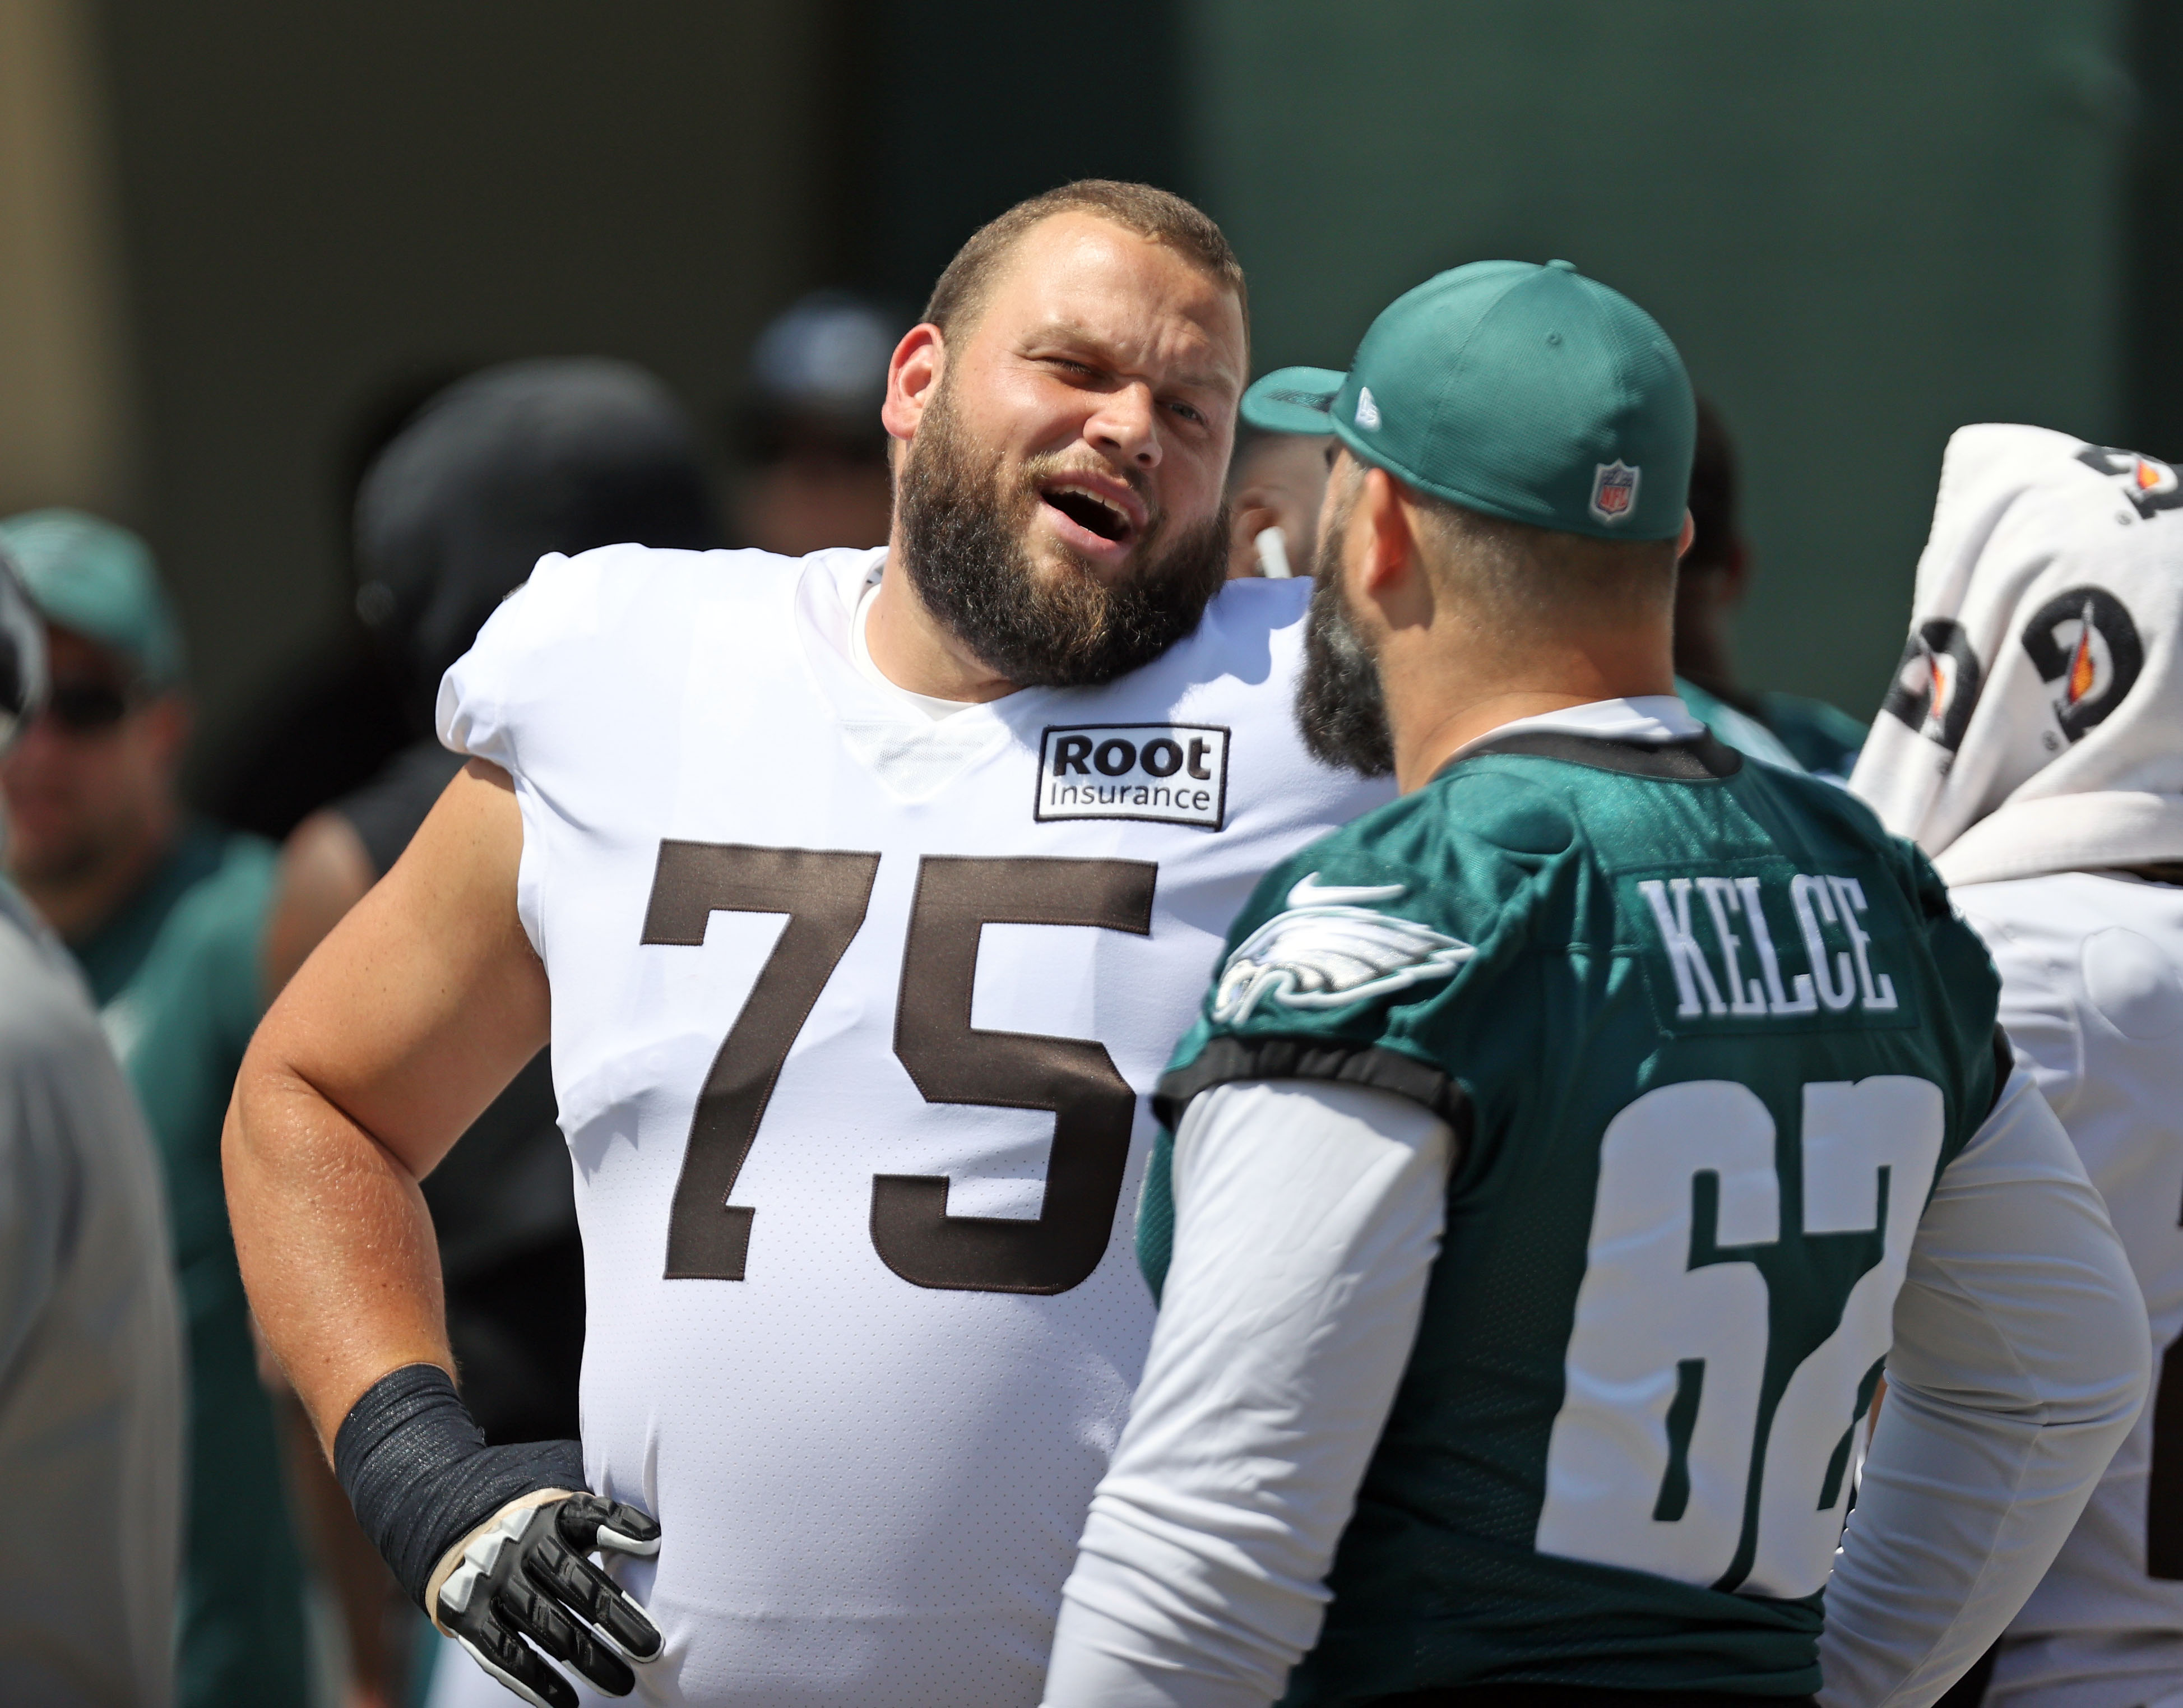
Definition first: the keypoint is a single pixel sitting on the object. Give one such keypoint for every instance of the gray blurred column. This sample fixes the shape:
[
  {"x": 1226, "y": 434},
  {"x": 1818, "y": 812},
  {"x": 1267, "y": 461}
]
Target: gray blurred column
[{"x": 64, "y": 398}]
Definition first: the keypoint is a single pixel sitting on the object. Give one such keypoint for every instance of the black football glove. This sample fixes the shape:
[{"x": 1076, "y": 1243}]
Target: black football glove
[
  {"x": 491, "y": 1541},
  {"x": 524, "y": 1575}
]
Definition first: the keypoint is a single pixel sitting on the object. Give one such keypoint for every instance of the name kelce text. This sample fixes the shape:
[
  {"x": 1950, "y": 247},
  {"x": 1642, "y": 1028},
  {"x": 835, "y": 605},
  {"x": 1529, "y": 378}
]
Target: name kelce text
[{"x": 1743, "y": 974}]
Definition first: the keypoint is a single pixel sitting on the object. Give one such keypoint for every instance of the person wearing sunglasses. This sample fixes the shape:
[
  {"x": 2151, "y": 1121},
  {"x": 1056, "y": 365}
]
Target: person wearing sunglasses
[
  {"x": 165, "y": 915},
  {"x": 91, "y": 1340}
]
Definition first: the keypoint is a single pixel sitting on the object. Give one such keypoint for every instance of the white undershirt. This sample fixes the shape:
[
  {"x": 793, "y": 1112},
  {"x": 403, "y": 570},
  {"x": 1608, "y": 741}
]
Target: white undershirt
[
  {"x": 860, "y": 655},
  {"x": 1307, "y": 1217},
  {"x": 1652, "y": 718}
]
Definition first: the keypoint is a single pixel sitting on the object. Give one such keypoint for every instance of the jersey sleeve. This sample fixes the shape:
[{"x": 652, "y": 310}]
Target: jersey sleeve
[
  {"x": 2020, "y": 1359},
  {"x": 1311, "y": 1218},
  {"x": 512, "y": 663},
  {"x": 512, "y": 698},
  {"x": 1371, "y": 958}
]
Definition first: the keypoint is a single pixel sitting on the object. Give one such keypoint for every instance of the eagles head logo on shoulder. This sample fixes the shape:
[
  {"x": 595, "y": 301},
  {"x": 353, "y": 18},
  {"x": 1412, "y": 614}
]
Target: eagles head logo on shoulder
[{"x": 1326, "y": 950}]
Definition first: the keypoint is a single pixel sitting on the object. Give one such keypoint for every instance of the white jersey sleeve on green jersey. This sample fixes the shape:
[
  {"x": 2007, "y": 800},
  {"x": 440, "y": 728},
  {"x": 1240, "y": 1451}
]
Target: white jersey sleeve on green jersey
[{"x": 1308, "y": 1218}]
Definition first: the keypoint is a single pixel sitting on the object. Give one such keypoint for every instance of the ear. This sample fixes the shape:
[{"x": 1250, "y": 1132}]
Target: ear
[
  {"x": 912, "y": 372},
  {"x": 1391, "y": 542},
  {"x": 167, "y": 721},
  {"x": 1690, "y": 532}
]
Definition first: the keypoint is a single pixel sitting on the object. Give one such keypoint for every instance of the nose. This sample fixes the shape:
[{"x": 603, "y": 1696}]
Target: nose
[{"x": 1126, "y": 426}]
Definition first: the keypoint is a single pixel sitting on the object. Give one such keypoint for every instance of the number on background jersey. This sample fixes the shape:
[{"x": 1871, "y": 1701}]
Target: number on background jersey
[
  {"x": 1650, "y": 1464},
  {"x": 824, "y": 894}
]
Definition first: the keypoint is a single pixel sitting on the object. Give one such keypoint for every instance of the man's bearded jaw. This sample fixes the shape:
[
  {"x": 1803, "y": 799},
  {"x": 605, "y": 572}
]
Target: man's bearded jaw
[
  {"x": 966, "y": 550},
  {"x": 1340, "y": 709}
]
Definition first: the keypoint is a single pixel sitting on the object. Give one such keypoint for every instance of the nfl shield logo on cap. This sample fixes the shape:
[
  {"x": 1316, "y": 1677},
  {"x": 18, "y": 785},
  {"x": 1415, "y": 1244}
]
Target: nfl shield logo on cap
[
  {"x": 1531, "y": 393},
  {"x": 1613, "y": 491}
]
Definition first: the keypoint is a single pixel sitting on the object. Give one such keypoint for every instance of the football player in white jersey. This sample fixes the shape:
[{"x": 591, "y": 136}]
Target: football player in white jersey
[
  {"x": 2033, "y": 746},
  {"x": 862, "y": 896}
]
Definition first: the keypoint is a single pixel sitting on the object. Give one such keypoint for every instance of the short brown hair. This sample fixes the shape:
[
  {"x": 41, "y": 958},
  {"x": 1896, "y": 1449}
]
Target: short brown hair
[
  {"x": 1158, "y": 216},
  {"x": 1530, "y": 578},
  {"x": 1523, "y": 579}
]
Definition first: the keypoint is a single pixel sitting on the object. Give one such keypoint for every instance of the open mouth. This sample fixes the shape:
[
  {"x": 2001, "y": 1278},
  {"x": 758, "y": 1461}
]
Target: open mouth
[{"x": 1097, "y": 515}]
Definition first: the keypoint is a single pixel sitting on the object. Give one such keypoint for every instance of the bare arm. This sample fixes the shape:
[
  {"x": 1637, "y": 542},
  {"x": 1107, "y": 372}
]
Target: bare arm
[
  {"x": 413, "y": 1016},
  {"x": 324, "y": 871}
]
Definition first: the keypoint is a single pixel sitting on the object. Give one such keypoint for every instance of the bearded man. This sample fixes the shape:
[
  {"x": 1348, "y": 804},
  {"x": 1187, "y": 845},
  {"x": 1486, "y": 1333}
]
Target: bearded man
[
  {"x": 1566, "y": 1149},
  {"x": 862, "y": 895}
]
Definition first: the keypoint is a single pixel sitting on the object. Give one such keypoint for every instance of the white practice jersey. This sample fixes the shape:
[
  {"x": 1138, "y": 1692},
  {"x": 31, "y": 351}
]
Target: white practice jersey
[
  {"x": 855, "y": 1012},
  {"x": 2092, "y": 971}
]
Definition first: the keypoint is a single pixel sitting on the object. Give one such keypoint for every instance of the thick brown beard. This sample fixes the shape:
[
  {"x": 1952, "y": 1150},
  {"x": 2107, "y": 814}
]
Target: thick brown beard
[
  {"x": 1340, "y": 709},
  {"x": 966, "y": 553}
]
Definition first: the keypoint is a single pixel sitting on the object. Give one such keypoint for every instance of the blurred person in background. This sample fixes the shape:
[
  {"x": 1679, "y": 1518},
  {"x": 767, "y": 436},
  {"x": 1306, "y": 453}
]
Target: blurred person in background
[
  {"x": 91, "y": 1345},
  {"x": 497, "y": 470},
  {"x": 165, "y": 915},
  {"x": 2032, "y": 744},
  {"x": 812, "y": 458},
  {"x": 330, "y": 719},
  {"x": 1714, "y": 576},
  {"x": 1275, "y": 486}
]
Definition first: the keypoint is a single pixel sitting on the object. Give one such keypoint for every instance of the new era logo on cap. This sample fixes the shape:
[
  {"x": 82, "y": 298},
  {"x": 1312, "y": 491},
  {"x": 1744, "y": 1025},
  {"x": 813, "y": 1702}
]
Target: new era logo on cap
[
  {"x": 1613, "y": 491},
  {"x": 1368, "y": 412}
]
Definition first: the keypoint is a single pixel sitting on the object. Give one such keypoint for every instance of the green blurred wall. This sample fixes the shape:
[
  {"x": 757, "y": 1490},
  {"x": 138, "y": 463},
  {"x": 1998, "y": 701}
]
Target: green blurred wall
[{"x": 1864, "y": 223}]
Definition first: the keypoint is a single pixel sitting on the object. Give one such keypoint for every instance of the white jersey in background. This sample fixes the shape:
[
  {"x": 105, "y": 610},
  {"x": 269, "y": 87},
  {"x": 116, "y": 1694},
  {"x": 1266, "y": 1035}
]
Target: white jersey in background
[
  {"x": 2092, "y": 971},
  {"x": 2032, "y": 745},
  {"x": 863, "y": 1319}
]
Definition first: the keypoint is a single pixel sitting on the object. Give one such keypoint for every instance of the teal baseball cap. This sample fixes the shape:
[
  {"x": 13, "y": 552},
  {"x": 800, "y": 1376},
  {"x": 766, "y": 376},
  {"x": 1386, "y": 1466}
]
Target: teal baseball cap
[
  {"x": 97, "y": 578},
  {"x": 1528, "y": 393}
]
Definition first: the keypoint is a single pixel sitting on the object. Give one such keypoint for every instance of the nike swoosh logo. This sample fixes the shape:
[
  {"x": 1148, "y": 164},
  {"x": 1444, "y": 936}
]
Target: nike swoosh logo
[{"x": 1309, "y": 891}]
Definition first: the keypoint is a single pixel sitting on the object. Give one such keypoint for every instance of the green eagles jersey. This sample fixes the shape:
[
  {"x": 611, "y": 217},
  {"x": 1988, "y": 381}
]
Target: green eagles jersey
[
  {"x": 1706, "y": 1035},
  {"x": 1781, "y": 729},
  {"x": 1825, "y": 739}
]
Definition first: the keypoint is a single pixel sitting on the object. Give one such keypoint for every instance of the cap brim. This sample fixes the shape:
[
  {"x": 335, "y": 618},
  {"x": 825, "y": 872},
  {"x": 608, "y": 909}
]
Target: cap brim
[{"x": 1294, "y": 400}]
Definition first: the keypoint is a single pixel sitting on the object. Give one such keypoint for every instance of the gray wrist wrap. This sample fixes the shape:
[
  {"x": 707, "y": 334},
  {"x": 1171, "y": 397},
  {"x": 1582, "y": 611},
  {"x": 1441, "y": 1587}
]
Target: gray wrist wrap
[{"x": 416, "y": 1468}]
